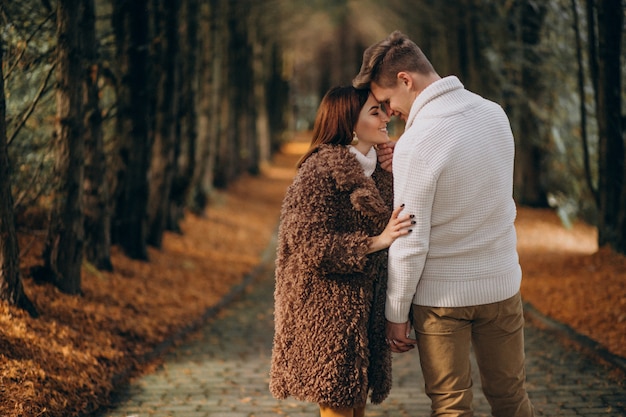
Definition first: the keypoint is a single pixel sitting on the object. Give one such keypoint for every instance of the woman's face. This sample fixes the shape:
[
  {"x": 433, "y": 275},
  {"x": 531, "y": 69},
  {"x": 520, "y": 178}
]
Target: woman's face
[{"x": 371, "y": 127}]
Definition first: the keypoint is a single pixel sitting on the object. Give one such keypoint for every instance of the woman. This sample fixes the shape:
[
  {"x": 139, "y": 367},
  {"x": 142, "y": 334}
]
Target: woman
[{"x": 336, "y": 219}]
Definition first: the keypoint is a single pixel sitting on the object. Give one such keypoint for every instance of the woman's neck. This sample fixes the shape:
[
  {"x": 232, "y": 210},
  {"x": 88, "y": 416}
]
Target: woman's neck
[{"x": 363, "y": 148}]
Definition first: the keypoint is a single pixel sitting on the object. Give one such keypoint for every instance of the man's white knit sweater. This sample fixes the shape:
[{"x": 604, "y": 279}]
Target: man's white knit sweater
[{"x": 453, "y": 169}]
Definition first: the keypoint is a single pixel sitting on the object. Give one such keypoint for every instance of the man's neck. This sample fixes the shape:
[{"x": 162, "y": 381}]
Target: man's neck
[{"x": 422, "y": 81}]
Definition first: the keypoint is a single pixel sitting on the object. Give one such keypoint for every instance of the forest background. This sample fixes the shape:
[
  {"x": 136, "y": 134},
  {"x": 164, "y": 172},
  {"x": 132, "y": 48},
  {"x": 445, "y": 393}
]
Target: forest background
[{"x": 119, "y": 117}]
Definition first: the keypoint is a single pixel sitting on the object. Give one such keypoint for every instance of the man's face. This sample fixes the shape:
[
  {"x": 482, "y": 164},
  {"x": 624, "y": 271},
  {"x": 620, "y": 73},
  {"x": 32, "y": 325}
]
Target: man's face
[{"x": 397, "y": 100}]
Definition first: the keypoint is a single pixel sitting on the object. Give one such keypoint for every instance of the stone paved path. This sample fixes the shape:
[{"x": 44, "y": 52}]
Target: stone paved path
[{"x": 222, "y": 371}]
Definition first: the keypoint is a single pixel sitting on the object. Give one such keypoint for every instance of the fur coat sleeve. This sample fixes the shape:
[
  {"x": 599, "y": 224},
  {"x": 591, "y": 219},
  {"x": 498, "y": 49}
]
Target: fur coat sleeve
[{"x": 329, "y": 343}]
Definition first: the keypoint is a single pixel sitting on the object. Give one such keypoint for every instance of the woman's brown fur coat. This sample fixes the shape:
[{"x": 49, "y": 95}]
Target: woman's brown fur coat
[{"x": 329, "y": 341}]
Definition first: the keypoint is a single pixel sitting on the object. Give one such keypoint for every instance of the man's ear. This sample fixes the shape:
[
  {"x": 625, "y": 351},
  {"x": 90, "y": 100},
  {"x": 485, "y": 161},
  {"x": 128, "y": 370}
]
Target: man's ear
[{"x": 405, "y": 79}]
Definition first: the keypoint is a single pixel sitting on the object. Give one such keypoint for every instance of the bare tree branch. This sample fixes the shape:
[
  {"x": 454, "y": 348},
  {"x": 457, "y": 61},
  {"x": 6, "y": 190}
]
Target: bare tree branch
[
  {"x": 32, "y": 35},
  {"x": 32, "y": 107},
  {"x": 35, "y": 177}
]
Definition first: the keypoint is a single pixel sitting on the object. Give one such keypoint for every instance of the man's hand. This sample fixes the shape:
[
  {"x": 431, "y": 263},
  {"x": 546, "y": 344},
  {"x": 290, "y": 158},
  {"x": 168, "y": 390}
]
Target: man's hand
[
  {"x": 398, "y": 337},
  {"x": 385, "y": 155}
]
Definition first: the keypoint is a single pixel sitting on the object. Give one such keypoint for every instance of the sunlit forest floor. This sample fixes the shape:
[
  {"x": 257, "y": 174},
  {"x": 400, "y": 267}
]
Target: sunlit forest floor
[{"x": 66, "y": 362}]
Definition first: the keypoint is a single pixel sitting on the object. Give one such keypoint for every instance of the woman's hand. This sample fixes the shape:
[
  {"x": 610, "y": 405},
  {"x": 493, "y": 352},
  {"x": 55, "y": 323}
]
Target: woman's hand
[
  {"x": 398, "y": 337},
  {"x": 396, "y": 227}
]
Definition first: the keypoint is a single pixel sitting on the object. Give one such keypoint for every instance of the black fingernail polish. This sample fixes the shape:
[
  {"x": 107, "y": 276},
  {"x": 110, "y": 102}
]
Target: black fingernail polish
[
  {"x": 410, "y": 230},
  {"x": 402, "y": 205},
  {"x": 412, "y": 215},
  {"x": 412, "y": 221}
]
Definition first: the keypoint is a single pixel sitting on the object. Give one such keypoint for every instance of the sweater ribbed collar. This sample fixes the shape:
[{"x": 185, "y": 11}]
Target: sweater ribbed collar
[
  {"x": 431, "y": 92},
  {"x": 368, "y": 162}
]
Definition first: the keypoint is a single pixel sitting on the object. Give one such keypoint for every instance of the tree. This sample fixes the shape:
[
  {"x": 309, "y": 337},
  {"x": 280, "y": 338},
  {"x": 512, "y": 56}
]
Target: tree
[
  {"x": 260, "y": 74},
  {"x": 63, "y": 252},
  {"x": 528, "y": 163},
  {"x": 187, "y": 134},
  {"x": 243, "y": 113},
  {"x": 612, "y": 190},
  {"x": 277, "y": 98},
  {"x": 583, "y": 109},
  {"x": 161, "y": 171},
  {"x": 129, "y": 226},
  {"x": 225, "y": 161},
  {"x": 210, "y": 71},
  {"x": 96, "y": 191},
  {"x": 11, "y": 288}
]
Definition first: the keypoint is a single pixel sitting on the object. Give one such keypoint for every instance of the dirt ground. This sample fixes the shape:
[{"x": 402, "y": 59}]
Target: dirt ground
[{"x": 66, "y": 362}]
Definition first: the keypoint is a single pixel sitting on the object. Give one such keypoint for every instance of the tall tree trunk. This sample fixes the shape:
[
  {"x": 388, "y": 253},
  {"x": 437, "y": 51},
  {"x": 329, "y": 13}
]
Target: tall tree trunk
[
  {"x": 277, "y": 98},
  {"x": 96, "y": 190},
  {"x": 592, "y": 41},
  {"x": 474, "y": 67},
  {"x": 242, "y": 85},
  {"x": 260, "y": 97},
  {"x": 611, "y": 142},
  {"x": 63, "y": 252},
  {"x": 226, "y": 161},
  {"x": 464, "y": 43},
  {"x": 208, "y": 120},
  {"x": 583, "y": 107},
  {"x": 11, "y": 289},
  {"x": 130, "y": 227},
  {"x": 187, "y": 113},
  {"x": 529, "y": 166},
  {"x": 161, "y": 172}
]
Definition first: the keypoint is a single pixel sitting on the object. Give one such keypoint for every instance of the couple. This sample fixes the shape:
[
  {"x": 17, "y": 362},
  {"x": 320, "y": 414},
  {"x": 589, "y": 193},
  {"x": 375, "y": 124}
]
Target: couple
[{"x": 343, "y": 301}]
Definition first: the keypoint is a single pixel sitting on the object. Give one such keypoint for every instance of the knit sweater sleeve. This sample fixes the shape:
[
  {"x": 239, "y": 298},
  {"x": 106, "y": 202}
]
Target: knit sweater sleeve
[{"x": 415, "y": 185}]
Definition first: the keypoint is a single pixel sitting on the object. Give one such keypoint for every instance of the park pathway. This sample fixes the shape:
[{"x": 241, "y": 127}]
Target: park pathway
[{"x": 222, "y": 371}]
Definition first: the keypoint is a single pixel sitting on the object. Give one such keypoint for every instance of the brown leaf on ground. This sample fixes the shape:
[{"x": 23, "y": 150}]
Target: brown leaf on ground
[
  {"x": 568, "y": 279},
  {"x": 65, "y": 362}
]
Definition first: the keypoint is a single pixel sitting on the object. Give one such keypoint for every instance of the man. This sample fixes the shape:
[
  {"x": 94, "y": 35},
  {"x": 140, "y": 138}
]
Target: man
[{"x": 457, "y": 274}]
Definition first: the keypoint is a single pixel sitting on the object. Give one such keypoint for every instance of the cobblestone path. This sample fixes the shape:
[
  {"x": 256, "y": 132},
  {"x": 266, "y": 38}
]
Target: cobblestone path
[{"x": 222, "y": 371}]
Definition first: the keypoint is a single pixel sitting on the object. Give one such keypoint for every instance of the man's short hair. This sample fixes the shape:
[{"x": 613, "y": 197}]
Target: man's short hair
[{"x": 384, "y": 60}]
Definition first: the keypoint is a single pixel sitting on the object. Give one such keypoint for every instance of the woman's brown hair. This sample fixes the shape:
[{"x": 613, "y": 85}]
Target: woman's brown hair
[{"x": 336, "y": 117}]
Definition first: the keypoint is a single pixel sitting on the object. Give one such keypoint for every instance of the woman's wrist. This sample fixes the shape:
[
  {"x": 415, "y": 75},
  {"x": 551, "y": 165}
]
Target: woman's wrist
[{"x": 376, "y": 243}]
